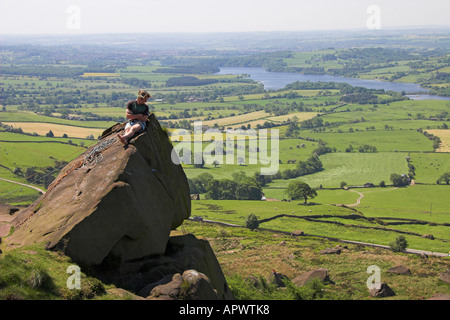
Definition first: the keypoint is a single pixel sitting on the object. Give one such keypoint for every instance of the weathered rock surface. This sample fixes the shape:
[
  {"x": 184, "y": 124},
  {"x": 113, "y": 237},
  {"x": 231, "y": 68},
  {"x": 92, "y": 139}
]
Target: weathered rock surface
[
  {"x": 440, "y": 296},
  {"x": 112, "y": 210},
  {"x": 445, "y": 276},
  {"x": 165, "y": 272},
  {"x": 191, "y": 285},
  {"x": 400, "y": 269},
  {"x": 321, "y": 274},
  {"x": 382, "y": 292},
  {"x": 121, "y": 201},
  {"x": 331, "y": 251}
]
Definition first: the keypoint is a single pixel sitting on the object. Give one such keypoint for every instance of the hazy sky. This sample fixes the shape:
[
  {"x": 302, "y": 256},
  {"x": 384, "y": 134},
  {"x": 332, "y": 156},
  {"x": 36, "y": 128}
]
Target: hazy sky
[{"x": 130, "y": 16}]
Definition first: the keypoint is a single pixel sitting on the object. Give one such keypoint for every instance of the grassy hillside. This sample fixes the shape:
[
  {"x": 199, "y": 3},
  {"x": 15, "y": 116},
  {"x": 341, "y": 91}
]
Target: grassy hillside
[
  {"x": 33, "y": 273},
  {"x": 243, "y": 253}
]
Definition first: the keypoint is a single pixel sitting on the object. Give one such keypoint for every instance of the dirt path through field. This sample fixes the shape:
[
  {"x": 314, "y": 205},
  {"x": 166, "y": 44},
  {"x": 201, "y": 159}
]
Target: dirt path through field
[
  {"x": 361, "y": 195},
  {"x": 25, "y": 185},
  {"x": 358, "y": 201}
]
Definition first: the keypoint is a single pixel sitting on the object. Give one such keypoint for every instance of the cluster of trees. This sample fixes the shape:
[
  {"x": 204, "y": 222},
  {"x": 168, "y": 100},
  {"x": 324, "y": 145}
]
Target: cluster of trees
[
  {"x": 436, "y": 140},
  {"x": 441, "y": 77},
  {"x": 322, "y": 148},
  {"x": 400, "y": 180},
  {"x": 43, "y": 176},
  {"x": 189, "y": 81},
  {"x": 362, "y": 149},
  {"x": 351, "y": 94},
  {"x": 211, "y": 94},
  {"x": 198, "y": 69},
  {"x": 9, "y": 128},
  {"x": 361, "y": 98},
  {"x": 240, "y": 187},
  {"x": 376, "y": 55},
  {"x": 444, "y": 178},
  {"x": 44, "y": 71},
  {"x": 33, "y": 98},
  {"x": 271, "y": 61},
  {"x": 308, "y": 85},
  {"x": 411, "y": 167},
  {"x": 135, "y": 82},
  {"x": 306, "y": 70},
  {"x": 367, "y": 59}
]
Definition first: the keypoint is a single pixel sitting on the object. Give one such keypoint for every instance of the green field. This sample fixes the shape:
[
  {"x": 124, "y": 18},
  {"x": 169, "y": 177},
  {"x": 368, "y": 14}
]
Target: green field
[
  {"x": 31, "y": 117},
  {"x": 384, "y": 141},
  {"x": 395, "y": 203},
  {"x": 392, "y": 125},
  {"x": 355, "y": 169},
  {"x": 24, "y": 151},
  {"x": 430, "y": 166}
]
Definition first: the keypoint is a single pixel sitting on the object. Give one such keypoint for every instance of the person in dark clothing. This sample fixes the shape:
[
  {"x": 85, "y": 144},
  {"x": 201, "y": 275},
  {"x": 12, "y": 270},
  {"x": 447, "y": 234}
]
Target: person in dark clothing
[{"x": 137, "y": 114}]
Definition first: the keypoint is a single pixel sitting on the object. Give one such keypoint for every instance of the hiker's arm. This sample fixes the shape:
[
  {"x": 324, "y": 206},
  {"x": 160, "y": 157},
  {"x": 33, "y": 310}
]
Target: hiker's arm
[
  {"x": 130, "y": 115},
  {"x": 141, "y": 117}
]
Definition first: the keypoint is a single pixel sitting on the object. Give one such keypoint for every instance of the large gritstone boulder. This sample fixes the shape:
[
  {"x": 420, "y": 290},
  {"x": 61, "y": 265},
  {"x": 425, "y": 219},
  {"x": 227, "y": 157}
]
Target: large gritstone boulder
[{"x": 113, "y": 200}]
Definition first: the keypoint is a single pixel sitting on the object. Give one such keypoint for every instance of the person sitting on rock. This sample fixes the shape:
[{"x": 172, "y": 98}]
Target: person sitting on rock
[{"x": 137, "y": 113}]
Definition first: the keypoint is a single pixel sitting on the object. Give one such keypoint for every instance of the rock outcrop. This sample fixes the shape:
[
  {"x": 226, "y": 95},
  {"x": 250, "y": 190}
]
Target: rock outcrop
[
  {"x": 382, "y": 292},
  {"x": 400, "y": 269},
  {"x": 321, "y": 274},
  {"x": 445, "y": 276},
  {"x": 111, "y": 200},
  {"x": 158, "y": 277},
  {"x": 112, "y": 209}
]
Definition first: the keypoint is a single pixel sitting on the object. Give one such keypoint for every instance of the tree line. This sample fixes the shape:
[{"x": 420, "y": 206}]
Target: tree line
[
  {"x": 189, "y": 81},
  {"x": 240, "y": 187}
]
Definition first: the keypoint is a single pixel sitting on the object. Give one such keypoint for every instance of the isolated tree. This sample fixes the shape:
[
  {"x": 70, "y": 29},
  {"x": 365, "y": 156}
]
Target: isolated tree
[
  {"x": 343, "y": 184},
  {"x": 444, "y": 178},
  {"x": 399, "y": 245},
  {"x": 251, "y": 221},
  {"x": 49, "y": 134},
  {"x": 298, "y": 189}
]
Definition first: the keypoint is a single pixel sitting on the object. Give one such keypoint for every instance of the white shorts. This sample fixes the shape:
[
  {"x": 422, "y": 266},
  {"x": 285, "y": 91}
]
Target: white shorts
[{"x": 131, "y": 123}]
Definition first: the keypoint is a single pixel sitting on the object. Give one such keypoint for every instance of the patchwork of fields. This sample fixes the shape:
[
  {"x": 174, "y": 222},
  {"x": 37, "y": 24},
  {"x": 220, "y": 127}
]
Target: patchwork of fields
[{"x": 394, "y": 131}]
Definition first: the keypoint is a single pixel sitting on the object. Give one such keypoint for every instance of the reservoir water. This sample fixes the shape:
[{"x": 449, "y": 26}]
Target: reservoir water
[{"x": 278, "y": 80}]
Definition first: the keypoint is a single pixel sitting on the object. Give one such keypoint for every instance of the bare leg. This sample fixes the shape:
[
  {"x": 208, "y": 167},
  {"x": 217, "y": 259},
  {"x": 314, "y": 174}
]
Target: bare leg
[{"x": 129, "y": 133}]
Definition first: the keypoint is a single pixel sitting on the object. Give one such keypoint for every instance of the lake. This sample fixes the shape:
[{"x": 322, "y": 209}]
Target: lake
[{"x": 278, "y": 80}]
